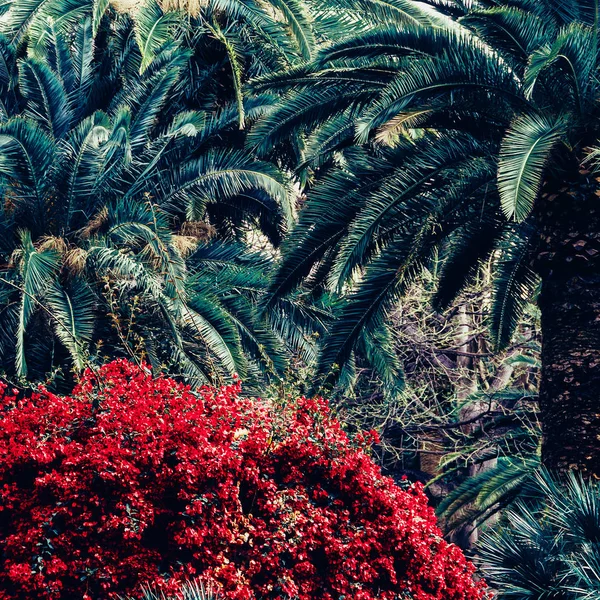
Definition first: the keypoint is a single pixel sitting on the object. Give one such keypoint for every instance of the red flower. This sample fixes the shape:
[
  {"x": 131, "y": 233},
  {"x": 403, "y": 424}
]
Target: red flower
[{"x": 134, "y": 480}]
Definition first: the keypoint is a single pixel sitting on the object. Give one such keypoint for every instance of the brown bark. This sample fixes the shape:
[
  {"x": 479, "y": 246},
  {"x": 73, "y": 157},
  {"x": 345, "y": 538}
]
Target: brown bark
[
  {"x": 568, "y": 261},
  {"x": 466, "y": 536}
]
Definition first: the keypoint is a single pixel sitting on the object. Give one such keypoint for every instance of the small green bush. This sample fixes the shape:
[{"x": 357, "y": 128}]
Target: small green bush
[
  {"x": 191, "y": 591},
  {"x": 548, "y": 545}
]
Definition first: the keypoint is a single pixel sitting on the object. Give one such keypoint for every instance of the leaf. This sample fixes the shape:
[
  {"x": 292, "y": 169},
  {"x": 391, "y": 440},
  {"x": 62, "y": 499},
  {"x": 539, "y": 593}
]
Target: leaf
[
  {"x": 153, "y": 29},
  {"x": 46, "y": 97},
  {"x": 524, "y": 153},
  {"x": 26, "y": 153},
  {"x": 31, "y": 17},
  {"x": 299, "y": 20},
  {"x": 38, "y": 270},
  {"x": 366, "y": 308},
  {"x": 235, "y": 60},
  {"x": 79, "y": 163},
  {"x": 73, "y": 311},
  {"x": 220, "y": 175},
  {"x": 574, "y": 51},
  {"x": 83, "y": 56},
  {"x": 98, "y": 11},
  {"x": 402, "y": 11},
  {"x": 514, "y": 283}
]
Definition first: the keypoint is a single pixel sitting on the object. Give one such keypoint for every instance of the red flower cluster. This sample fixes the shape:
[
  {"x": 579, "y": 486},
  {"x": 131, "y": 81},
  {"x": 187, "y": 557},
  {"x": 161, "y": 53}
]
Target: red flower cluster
[{"x": 135, "y": 480}]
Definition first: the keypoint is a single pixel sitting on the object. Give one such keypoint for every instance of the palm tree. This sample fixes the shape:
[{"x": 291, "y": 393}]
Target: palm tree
[
  {"x": 229, "y": 40},
  {"x": 124, "y": 217},
  {"x": 472, "y": 138}
]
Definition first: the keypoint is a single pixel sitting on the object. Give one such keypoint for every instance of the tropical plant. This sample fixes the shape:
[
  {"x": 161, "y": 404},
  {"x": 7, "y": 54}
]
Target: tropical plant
[
  {"x": 229, "y": 40},
  {"x": 484, "y": 495},
  {"x": 547, "y": 545},
  {"x": 195, "y": 590},
  {"x": 125, "y": 217},
  {"x": 471, "y": 140}
]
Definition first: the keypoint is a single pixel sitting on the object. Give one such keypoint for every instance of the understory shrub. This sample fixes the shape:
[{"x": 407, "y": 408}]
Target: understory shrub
[
  {"x": 548, "y": 543},
  {"x": 189, "y": 591},
  {"x": 135, "y": 481}
]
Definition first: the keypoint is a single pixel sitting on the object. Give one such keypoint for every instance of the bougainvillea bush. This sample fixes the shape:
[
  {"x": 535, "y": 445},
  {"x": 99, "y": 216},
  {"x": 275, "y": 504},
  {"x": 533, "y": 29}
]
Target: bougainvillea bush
[{"x": 135, "y": 481}]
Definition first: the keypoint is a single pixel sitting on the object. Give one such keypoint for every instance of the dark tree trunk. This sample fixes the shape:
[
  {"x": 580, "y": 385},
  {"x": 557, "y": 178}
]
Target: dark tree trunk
[{"x": 568, "y": 261}]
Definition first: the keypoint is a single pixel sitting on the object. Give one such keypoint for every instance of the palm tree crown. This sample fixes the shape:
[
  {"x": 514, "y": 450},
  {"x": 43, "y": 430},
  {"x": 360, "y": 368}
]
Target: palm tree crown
[
  {"x": 450, "y": 141},
  {"x": 123, "y": 199}
]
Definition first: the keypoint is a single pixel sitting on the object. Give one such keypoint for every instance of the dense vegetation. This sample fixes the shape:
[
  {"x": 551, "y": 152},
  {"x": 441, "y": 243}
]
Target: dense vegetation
[
  {"x": 393, "y": 204},
  {"x": 134, "y": 480}
]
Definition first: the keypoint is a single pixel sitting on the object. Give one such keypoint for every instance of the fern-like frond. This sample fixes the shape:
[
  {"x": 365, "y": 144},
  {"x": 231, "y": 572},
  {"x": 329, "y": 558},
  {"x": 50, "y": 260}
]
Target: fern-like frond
[{"x": 525, "y": 151}]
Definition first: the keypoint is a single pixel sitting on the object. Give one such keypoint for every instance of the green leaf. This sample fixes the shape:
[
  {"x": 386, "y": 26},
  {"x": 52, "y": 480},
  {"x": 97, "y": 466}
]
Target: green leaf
[
  {"x": 514, "y": 283},
  {"x": 30, "y": 17},
  {"x": 98, "y": 10},
  {"x": 46, "y": 97},
  {"x": 524, "y": 153},
  {"x": 38, "y": 270},
  {"x": 153, "y": 29},
  {"x": 299, "y": 21},
  {"x": 73, "y": 312}
]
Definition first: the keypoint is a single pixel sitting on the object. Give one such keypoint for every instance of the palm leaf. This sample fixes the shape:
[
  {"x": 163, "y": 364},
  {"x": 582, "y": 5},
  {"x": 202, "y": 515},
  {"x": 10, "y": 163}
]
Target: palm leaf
[
  {"x": 235, "y": 61},
  {"x": 73, "y": 310},
  {"x": 79, "y": 162},
  {"x": 27, "y": 152},
  {"x": 46, "y": 97},
  {"x": 299, "y": 21},
  {"x": 524, "y": 153},
  {"x": 38, "y": 270},
  {"x": 219, "y": 175},
  {"x": 32, "y": 16},
  {"x": 366, "y": 308},
  {"x": 514, "y": 283},
  {"x": 98, "y": 10},
  {"x": 574, "y": 50},
  {"x": 83, "y": 56},
  {"x": 153, "y": 29},
  {"x": 403, "y": 11}
]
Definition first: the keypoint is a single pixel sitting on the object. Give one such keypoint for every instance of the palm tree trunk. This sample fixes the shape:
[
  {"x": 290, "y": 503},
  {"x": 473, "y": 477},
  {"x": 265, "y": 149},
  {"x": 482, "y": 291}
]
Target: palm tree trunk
[
  {"x": 570, "y": 382},
  {"x": 568, "y": 261}
]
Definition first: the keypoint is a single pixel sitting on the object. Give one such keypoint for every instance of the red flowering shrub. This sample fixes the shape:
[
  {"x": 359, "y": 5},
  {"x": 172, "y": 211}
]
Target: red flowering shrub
[{"x": 134, "y": 480}]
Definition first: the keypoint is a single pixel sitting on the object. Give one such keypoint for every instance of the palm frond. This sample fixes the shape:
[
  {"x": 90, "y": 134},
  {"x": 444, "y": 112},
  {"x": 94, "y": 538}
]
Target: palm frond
[
  {"x": 514, "y": 283},
  {"x": 46, "y": 97},
  {"x": 525, "y": 151},
  {"x": 467, "y": 65},
  {"x": 478, "y": 495},
  {"x": 220, "y": 175},
  {"x": 27, "y": 152},
  {"x": 73, "y": 310},
  {"x": 30, "y": 17},
  {"x": 366, "y": 308},
  {"x": 83, "y": 54},
  {"x": 99, "y": 8},
  {"x": 153, "y": 29},
  {"x": 78, "y": 164},
  {"x": 403, "y": 11},
  {"x": 298, "y": 18},
  {"x": 38, "y": 270}
]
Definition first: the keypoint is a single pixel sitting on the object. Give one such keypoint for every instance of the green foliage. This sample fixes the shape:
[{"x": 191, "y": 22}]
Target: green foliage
[
  {"x": 547, "y": 545},
  {"x": 154, "y": 28},
  {"x": 523, "y": 156},
  {"x": 481, "y": 497},
  {"x": 418, "y": 141},
  {"x": 130, "y": 205},
  {"x": 192, "y": 591}
]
